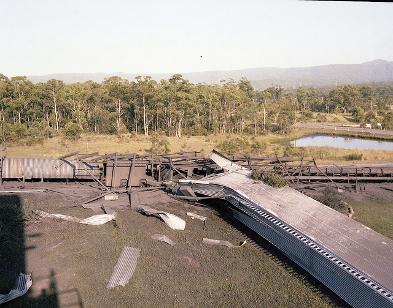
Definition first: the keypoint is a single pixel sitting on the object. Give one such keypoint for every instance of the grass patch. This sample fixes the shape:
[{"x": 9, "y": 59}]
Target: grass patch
[
  {"x": 376, "y": 214},
  {"x": 264, "y": 145}
]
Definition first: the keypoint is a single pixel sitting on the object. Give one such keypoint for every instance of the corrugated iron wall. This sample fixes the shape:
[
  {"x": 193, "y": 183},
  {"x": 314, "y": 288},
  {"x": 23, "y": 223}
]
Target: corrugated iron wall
[{"x": 41, "y": 168}]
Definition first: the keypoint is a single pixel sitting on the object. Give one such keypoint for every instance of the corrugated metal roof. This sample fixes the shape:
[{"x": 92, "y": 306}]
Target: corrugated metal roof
[{"x": 124, "y": 268}]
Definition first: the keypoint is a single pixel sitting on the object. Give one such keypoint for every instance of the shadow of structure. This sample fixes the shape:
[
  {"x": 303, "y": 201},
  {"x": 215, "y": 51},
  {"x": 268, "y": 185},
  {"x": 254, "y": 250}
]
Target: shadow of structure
[
  {"x": 223, "y": 208},
  {"x": 13, "y": 260}
]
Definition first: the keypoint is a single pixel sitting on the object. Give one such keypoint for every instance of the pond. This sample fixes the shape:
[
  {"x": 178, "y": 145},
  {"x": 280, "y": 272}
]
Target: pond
[{"x": 342, "y": 142}]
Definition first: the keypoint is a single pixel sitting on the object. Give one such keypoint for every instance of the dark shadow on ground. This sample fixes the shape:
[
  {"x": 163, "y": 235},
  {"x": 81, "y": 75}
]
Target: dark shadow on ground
[
  {"x": 13, "y": 258},
  {"x": 222, "y": 207}
]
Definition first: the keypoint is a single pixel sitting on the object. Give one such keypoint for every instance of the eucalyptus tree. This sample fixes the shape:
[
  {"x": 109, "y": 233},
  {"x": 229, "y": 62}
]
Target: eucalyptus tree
[
  {"x": 55, "y": 89},
  {"x": 117, "y": 90},
  {"x": 20, "y": 91},
  {"x": 143, "y": 92}
]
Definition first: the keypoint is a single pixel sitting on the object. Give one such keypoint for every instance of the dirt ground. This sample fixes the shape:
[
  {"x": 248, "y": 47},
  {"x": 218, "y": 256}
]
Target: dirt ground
[{"x": 71, "y": 263}]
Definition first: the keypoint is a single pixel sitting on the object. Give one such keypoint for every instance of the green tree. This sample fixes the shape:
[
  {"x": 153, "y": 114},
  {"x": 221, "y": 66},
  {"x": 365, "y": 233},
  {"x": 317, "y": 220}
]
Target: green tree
[
  {"x": 358, "y": 114},
  {"x": 72, "y": 131},
  {"x": 387, "y": 122}
]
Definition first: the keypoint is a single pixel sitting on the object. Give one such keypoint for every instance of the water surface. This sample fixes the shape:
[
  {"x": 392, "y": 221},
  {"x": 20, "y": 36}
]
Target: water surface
[{"x": 342, "y": 142}]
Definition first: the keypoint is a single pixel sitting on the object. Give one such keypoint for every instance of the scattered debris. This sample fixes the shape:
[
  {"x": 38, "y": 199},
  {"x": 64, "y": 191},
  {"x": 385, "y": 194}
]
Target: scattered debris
[
  {"x": 209, "y": 241},
  {"x": 196, "y": 216},
  {"x": 163, "y": 238},
  {"x": 22, "y": 191},
  {"x": 124, "y": 268},
  {"x": 98, "y": 219},
  {"x": 93, "y": 220},
  {"x": 171, "y": 220},
  {"x": 111, "y": 197},
  {"x": 351, "y": 212},
  {"x": 96, "y": 198},
  {"x": 22, "y": 285},
  {"x": 107, "y": 209},
  {"x": 186, "y": 191}
]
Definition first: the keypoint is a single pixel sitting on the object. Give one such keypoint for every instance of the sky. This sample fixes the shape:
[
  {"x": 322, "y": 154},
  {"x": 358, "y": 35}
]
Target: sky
[{"x": 151, "y": 36}]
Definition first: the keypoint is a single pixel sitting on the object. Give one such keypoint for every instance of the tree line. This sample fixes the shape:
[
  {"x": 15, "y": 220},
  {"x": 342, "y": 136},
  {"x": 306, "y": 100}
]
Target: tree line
[{"x": 173, "y": 107}]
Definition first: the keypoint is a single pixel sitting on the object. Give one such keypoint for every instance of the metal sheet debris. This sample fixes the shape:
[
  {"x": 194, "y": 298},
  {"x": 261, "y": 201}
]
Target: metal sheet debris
[
  {"x": 111, "y": 197},
  {"x": 22, "y": 191},
  {"x": 224, "y": 162},
  {"x": 163, "y": 238},
  {"x": 209, "y": 241},
  {"x": 94, "y": 220},
  {"x": 124, "y": 268},
  {"x": 22, "y": 285},
  {"x": 173, "y": 221},
  {"x": 196, "y": 216}
]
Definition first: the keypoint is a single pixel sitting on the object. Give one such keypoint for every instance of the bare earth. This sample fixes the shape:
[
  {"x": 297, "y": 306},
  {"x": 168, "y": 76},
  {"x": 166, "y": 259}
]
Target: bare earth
[{"x": 71, "y": 263}]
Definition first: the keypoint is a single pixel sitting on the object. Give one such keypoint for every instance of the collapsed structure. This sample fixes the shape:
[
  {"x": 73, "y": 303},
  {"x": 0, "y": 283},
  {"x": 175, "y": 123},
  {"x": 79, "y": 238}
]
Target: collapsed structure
[
  {"x": 352, "y": 260},
  {"x": 110, "y": 170}
]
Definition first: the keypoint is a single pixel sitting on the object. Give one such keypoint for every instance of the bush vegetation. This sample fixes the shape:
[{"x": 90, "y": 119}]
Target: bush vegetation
[
  {"x": 159, "y": 144},
  {"x": 270, "y": 178},
  {"x": 331, "y": 197},
  {"x": 72, "y": 131},
  {"x": 241, "y": 145},
  {"x": 353, "y": 156}
]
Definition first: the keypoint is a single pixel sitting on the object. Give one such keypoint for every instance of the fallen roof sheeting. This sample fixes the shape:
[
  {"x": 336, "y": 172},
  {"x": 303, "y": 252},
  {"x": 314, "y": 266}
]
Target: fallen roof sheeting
[
  {"x": 95, "y": 220},
  {"x": 163, "y": 238},
  {"x": 174, "y": 222},
  {"x": 22, "y": 285},
  {"x": 228, "y": 244},
  {"x": 124, "y": 268}
]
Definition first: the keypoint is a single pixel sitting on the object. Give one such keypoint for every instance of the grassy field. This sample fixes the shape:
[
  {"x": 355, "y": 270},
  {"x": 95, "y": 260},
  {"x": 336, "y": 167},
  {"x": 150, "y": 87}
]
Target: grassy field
[
  {"x": 271, "y": 144},
  {"x": 376, "y": 214}
]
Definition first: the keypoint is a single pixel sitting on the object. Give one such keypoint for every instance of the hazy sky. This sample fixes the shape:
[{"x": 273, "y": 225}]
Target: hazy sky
[{"x": 86, "y": 36}]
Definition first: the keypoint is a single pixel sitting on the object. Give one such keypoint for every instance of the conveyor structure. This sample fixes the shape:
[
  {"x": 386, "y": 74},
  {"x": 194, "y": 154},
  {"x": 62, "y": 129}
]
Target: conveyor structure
[{"x": 352, "y": 260}]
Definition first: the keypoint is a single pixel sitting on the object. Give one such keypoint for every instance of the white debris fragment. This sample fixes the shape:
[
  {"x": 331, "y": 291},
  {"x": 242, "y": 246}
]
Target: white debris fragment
[
  {"x": 93, "y": 220},
  {"x": 209, "y": 241},
  {"x": 98, "y": 219},
  {"x": 163, "y": 238},
  {"x": 196, "y": 216},
  {"x": 225, "y": 163},
  {"x": 173, "y": 221},
  {"x": 22, "y": 285},
  {"x": 111, "y": 197}
]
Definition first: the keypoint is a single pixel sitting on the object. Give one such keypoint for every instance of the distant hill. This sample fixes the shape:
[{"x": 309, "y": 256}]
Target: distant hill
[{"x": 318, "y": 76}]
